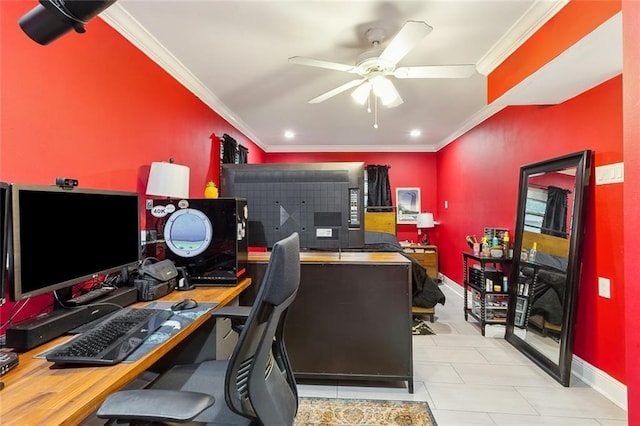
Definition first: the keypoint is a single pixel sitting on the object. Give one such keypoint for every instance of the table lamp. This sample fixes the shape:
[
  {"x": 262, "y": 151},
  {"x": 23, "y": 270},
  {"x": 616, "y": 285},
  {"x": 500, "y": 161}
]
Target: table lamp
[
  {"x": 168, "y": 180},
  {"x": 425, "y": 221}
]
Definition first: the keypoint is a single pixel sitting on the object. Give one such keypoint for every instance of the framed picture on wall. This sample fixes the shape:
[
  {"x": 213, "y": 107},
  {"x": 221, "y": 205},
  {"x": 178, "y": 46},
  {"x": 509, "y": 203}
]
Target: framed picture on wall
[{"x": 407, "y": 205}]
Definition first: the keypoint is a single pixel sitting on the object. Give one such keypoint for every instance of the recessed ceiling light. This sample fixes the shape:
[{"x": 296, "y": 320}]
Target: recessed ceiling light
[
  {"x": 289, "y": 134},
  {"x": 415, "y": 133}
]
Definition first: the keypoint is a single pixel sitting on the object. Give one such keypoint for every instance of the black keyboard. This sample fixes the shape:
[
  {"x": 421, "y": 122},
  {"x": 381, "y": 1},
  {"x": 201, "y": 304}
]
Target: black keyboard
[{"x": 112, "y": 340}]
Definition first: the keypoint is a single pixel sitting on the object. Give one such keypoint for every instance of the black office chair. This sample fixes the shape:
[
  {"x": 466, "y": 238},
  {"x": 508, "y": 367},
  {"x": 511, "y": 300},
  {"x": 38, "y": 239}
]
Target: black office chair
[{"x": 255, "y": 386}]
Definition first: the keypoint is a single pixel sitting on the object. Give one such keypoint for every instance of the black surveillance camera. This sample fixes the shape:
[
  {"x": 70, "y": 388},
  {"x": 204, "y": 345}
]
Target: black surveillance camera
[{"x": 52, "y": 19}]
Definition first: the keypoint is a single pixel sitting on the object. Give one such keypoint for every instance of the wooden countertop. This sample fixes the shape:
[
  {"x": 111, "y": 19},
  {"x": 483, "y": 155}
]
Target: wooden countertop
[
  {"x": 335, "y": 257},
  {"x": 38, "y": 393}
]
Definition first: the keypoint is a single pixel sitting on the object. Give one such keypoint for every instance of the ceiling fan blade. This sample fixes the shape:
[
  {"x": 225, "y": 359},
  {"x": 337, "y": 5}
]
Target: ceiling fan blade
[
  {"x": 322, "y": 64},
  {"x": 336, "y": 91},
  {"x": 436, "y": 71},
  {"x": 406, "y": 39}
]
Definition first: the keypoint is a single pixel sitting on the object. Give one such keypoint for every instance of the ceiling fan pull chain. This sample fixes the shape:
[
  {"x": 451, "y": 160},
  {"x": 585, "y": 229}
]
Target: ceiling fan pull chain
[
  {"x": 369, "y": 102},
  {"x": 375, "y": 112}
]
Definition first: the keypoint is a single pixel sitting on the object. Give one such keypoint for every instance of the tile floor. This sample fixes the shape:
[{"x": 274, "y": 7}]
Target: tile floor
[{"x": 468, "y": 379}]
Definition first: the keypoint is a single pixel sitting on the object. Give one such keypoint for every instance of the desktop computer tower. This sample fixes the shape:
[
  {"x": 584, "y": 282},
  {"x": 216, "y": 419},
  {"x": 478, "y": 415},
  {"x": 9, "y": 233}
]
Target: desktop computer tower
[{"x": 206, "y": 236}]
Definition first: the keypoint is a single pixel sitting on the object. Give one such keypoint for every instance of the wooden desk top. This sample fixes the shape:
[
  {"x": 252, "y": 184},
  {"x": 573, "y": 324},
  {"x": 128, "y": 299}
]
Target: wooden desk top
[
  {"x": 36, "y": 393},
  {"x": 335, "y": 257}
]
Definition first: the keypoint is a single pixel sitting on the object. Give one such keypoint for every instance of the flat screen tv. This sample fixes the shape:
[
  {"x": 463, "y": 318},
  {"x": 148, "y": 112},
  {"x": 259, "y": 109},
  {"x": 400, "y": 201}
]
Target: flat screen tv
[
  {"x": 61, "y": 237},
  {"x": 322, "y": 202}
]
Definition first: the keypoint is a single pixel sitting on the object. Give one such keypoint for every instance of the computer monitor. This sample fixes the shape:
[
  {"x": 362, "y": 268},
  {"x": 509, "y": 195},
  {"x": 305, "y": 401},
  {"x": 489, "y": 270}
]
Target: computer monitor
[
  {"x": 63, "y": 236},
  {"x": 322, "y": 202},
  {"x": 4, "y": 219}
]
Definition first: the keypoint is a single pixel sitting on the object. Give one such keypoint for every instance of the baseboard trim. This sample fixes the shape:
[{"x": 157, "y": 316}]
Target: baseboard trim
[
  {"x": 600, "y": 381},
  {"x": 596, "y": 379}
]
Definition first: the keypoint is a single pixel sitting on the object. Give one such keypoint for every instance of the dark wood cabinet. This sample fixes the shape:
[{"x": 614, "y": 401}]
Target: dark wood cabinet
[{"x": 351, "y": 318}]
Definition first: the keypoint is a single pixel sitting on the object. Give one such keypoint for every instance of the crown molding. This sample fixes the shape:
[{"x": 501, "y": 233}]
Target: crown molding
[
  {"x": 351, "y": 148},
  {"x": 477, "y": 118},
  {"x": 533, "y": 19},
  {"x": 120, "y": 20}
]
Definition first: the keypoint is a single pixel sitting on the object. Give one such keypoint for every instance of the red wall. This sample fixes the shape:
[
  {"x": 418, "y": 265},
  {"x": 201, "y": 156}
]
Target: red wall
[
  {"x": 407, "y": 170},
  {"x": 581, "y": 123},
  {"x": 521, "y": 135},
  {"x": 92, "y": 107},
  {"x": 630, "y": 246}
]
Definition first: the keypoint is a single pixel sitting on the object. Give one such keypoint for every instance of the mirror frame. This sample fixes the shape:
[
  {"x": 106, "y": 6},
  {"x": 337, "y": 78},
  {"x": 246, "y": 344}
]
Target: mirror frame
[{"x": 561, "y": 371}]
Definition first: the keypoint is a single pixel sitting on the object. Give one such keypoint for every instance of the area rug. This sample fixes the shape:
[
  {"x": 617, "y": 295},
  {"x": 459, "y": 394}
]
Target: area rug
[
  {"x": 369, "y": 412},
  {"x": 420, "y": 327}
]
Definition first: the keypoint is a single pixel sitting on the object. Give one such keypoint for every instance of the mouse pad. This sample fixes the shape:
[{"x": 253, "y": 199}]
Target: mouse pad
[{"x": 177, "y": 322}]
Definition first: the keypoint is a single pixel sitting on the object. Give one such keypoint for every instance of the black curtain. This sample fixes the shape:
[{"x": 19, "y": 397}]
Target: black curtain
[
  {"x": 555, "y": 216},
  {"x": 243, "y": 153},
  {"x": 379, "y": 190},
  {"x": 229, "y": 148}
]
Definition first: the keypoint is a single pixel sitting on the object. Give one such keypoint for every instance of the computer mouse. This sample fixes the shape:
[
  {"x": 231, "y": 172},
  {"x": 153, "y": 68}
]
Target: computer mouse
[{"x": 184, "y": 304}]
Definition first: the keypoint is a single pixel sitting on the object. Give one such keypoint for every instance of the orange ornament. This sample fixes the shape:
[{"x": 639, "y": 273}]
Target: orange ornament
[{"x": 211, "y": 191}]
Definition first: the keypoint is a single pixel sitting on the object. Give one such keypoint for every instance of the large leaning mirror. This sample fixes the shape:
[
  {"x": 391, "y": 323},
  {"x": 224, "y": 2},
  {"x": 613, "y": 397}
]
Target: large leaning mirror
[{"x": 546, "y": 261}]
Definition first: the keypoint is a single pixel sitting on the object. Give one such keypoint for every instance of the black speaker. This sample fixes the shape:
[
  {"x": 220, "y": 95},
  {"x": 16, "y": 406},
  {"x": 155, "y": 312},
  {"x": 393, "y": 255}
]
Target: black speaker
[
  {"x": 52, "y": 19},
  {"x": 208, "y": 237}
]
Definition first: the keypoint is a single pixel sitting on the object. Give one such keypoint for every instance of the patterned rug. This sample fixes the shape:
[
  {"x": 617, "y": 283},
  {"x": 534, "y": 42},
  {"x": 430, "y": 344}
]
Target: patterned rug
[
  {"x": 364, "y": 412},
  {"x": 420, "y": 327}
]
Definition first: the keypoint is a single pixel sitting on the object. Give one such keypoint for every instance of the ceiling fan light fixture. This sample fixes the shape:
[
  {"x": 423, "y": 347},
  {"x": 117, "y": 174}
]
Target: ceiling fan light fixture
[
  {"x": 384, "y": 89},
  {"x": 376, "y": 64},
  {"x": 361, "y": 94}
]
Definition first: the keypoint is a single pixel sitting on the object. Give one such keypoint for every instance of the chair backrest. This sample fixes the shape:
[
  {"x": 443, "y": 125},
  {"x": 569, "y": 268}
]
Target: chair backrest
[{"x": 259, "y": 380}]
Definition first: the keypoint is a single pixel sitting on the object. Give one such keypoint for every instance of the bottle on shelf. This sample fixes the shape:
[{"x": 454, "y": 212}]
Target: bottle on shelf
[
  {"x": 505, "y": 284},
  {"x": 533, "y": 252},
  {"x": 488, "y": 285},
  {"x": 505, "y": 245},
  {"x": 495, "y": 242},
  {"x": 486, "y": 249}
]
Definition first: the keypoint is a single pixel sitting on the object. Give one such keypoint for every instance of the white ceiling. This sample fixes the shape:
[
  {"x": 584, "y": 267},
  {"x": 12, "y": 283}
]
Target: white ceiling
[{"x": 234, "y": 56}]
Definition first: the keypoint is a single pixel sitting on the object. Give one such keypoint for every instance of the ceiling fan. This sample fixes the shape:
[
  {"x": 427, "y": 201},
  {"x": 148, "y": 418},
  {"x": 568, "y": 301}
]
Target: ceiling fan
[{"x": 376, "y": 65}]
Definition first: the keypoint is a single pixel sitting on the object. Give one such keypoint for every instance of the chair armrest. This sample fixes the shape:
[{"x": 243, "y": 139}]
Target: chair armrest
[
  {"x": 232, "y": 312},
  {"x": 237, "y": 314},
  {"x": 154, "y": 405}
]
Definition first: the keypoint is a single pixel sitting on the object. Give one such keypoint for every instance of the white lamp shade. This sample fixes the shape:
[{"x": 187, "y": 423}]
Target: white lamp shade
[
  {"x": 168, "y": 180},
  {"x": 425, "y": 220},
  {"x": 384, "y": 89},
  {"x": 361, "y": 94}
]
